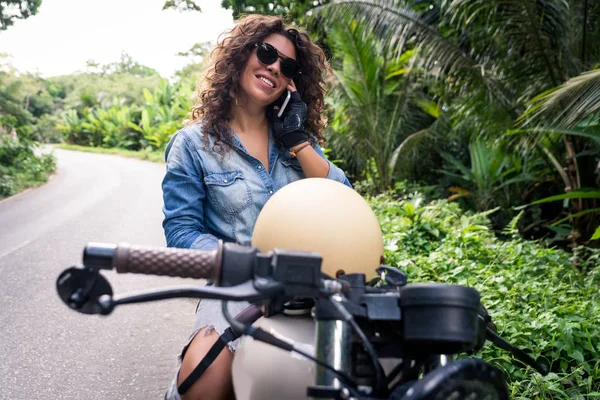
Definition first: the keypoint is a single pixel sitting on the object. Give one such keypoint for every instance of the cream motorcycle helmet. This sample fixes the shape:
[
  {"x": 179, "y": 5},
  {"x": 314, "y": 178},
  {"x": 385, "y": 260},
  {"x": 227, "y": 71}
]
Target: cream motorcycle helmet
[
  {"x": 317, "y": 215},
  {"x": 326, "y": 217}
]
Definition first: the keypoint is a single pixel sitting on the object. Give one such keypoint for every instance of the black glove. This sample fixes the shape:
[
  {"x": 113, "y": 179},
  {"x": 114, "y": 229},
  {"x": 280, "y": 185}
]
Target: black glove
[{"x": 289, "y": 129}]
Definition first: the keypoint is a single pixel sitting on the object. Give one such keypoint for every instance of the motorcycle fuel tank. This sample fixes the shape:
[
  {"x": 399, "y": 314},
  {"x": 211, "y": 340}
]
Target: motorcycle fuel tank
[{"x": 262, "y": 371}]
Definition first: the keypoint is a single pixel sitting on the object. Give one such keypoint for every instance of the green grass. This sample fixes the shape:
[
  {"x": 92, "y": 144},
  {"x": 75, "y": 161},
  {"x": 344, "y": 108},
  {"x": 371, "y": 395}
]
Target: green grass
[
  {"x": 154, "y": 156},
  {"x": 537, "y": 299}
]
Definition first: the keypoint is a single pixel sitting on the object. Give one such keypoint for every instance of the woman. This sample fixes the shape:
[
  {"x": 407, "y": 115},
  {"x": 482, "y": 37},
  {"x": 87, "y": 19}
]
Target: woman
[{"x": 234, "y": 155}]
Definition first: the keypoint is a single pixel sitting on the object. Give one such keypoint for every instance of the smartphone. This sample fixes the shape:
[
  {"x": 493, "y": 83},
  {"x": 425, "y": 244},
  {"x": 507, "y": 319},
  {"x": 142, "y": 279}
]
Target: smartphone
[{"x": 286, "y": 99}]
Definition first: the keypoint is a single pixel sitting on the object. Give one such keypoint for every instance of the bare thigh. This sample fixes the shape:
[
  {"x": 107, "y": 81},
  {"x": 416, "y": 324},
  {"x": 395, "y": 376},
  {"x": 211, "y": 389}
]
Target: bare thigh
[{"x": 216, "y": 382}]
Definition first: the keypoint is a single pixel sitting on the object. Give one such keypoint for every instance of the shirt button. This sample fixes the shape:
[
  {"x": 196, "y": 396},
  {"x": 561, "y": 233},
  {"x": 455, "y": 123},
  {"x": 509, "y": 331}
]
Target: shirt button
[
  {"x": 270, "y": 192},
  {"x": 259, "y": 167},
  {"x": 225, "y": 180}
]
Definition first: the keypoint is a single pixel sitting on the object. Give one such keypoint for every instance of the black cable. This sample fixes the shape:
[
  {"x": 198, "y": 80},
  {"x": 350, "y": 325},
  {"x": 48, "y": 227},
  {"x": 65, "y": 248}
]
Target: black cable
[
  {"x": 380, "y": 383},
  {"x": 263, "y": 336},
  {"x": 518, "y": 353},
  {"x": 236, "y": 325}
]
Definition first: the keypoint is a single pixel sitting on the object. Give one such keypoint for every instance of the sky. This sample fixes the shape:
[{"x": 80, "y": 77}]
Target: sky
[{"x": 65, "y": 33}]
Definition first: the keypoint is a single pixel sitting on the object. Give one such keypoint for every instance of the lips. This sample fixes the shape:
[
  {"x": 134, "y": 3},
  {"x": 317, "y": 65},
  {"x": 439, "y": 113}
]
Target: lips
[{"x": 261, "y": 79}]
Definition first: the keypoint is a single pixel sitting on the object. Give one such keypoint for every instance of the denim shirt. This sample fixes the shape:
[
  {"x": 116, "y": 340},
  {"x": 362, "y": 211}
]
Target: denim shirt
[{"x": 207, "y": 198}]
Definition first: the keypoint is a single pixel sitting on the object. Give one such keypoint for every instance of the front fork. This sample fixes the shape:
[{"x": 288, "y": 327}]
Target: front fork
[{"x": 333, "y": 345}]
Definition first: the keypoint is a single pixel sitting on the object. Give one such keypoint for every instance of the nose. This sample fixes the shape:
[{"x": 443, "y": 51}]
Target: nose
[{"x": 274, "y": 68}]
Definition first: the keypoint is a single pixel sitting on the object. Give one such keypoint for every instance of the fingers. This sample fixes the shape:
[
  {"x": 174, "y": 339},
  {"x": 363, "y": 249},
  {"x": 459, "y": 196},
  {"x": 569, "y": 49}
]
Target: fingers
[
  {"x": 292, "y": 86},
  {"x": 295, "y": 96}
]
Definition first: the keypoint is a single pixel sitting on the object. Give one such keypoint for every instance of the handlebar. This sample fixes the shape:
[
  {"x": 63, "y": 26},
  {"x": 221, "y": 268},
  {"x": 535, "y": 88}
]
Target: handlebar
[
  {"x": 183, "y": 263},
  {"x": 242, "y": 273}
]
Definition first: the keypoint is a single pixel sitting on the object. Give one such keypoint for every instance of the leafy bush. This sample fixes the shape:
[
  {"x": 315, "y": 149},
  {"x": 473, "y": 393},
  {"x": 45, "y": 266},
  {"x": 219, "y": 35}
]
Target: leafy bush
[
  {"x": 146, "y": 126},
  {"x": 538, "y": 301},
  {"x": 97, "y": 90},
  {"x": 402, "y": 190},
  {"x": 46, "y": 131},
  {"x": 20, "y": 167}
]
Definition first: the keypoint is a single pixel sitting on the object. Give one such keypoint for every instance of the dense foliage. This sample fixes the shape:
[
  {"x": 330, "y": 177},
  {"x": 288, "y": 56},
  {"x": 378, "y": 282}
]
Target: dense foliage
[
  {"x": 12, "y": 10},
  {"x": 511, "y": 75},
  {"x": 20, "y": 167},
  {"x": 293, "y": 11},
  {"x": 148, "y": 125},
  {"x": 488, "y": 100},
  {"x": 375, "y": 112},
  {"x": 181, "y": 5},
  {"x": 20, "y": 107},
  {"x": 537, "y": 300}
]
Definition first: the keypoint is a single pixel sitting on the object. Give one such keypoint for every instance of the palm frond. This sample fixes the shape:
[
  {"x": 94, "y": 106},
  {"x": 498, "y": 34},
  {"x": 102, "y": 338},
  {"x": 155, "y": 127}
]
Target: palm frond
[
  {"x": 573, "y": 132},
  {"x": 467, "y": 174},
  {"x": 534, "y": 33},
  {"x": 567, "y": 104},
  {"x": 373, "y": 108},
  {"x": 395, "y": 23},
  {"x": 411, "y": 139}
]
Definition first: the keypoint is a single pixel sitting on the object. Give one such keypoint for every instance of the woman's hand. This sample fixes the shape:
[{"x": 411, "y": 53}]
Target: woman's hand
[{"x": 289, "y": 129}]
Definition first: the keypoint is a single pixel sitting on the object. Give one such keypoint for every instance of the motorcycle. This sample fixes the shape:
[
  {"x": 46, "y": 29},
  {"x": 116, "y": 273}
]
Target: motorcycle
[{"x": 342, "y": 338}]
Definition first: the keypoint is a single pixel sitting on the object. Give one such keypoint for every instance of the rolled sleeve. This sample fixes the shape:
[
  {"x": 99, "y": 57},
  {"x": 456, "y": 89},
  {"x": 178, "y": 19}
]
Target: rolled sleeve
[
  {"x": 334, "y": 173},
  {"x": 205, "y": 242},
  {"x": 184, "y": 194}
]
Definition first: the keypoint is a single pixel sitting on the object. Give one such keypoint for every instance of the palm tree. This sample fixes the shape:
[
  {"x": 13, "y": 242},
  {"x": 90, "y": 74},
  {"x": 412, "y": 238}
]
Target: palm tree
[
  {"x": 502, "y": 64},
  {"x": 491, "y": 172},
  {"x": 571, "y": 112},
  {"x": 376, "y": 110}
]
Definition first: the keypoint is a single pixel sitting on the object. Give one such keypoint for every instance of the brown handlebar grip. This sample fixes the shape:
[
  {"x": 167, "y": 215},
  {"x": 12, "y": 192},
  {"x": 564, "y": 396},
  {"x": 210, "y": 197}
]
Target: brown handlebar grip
[{"x": 183, "y": 263}]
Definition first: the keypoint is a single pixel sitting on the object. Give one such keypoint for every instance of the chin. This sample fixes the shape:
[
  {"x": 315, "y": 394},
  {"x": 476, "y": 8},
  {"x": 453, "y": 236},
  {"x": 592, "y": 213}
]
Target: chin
[{"x": 261, "y": 98}]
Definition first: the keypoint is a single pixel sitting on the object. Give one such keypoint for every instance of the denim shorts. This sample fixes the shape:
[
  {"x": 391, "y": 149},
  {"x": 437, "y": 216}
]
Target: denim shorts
[{"x": 208, "y": 315}]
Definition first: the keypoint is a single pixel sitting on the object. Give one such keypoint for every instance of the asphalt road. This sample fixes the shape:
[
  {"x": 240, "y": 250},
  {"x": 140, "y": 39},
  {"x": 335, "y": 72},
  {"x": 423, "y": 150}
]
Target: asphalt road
[{"x": 50, "y": 352}]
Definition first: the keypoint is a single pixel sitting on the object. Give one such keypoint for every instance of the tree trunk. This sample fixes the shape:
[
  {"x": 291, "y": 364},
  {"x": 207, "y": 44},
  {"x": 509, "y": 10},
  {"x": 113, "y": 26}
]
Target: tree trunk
[{"x": 575, "y": 204}]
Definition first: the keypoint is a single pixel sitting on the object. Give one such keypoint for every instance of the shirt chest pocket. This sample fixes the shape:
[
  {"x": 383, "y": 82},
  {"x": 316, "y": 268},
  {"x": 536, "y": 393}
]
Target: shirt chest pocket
[
  {"x": 228, "y": 191},
  {"x": 292, "y": 168}
]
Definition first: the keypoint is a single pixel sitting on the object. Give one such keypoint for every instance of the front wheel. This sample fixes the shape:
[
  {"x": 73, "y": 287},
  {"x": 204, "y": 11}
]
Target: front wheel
[{"x": 466, "y": 379}]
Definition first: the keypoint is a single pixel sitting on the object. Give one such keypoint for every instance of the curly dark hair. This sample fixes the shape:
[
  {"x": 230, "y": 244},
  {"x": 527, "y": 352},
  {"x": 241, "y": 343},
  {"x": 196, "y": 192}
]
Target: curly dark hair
[{"x": 221, "y": 82}]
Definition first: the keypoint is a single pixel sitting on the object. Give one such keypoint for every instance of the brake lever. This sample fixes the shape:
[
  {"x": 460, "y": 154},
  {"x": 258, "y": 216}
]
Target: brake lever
[
  {"x": 243, "y": 292},
  {"x": 87, "y": 291},
  {"x": 515, "y": 351}
]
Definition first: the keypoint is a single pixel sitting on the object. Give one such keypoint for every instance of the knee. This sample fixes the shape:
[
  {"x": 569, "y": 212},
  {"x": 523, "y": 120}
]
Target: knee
[{"x": 216, "y": 382}]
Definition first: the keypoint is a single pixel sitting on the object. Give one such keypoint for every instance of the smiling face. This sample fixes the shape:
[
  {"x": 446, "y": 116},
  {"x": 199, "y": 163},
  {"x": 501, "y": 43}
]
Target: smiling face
[{"x": 263, "y": 84}]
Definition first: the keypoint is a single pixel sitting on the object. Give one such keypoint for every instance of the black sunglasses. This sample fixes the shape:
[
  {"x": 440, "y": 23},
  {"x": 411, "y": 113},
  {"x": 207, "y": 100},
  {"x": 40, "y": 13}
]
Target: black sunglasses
[{"x": 267, "y": 54}]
